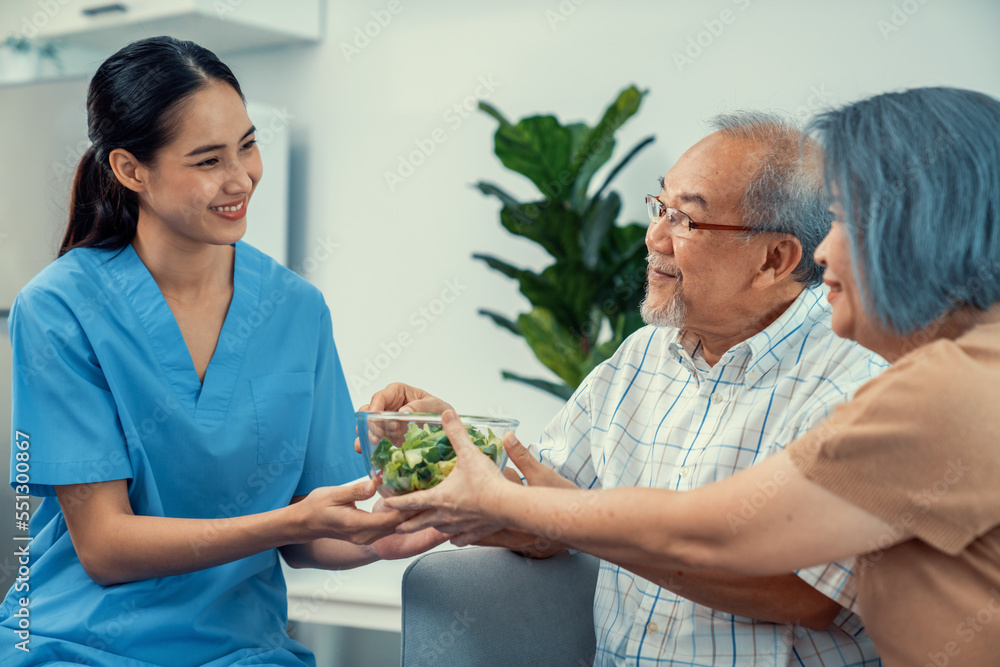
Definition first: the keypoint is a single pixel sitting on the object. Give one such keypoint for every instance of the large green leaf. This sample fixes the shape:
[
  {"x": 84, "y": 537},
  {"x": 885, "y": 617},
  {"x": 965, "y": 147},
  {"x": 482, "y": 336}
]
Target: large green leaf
[
  {"x": 538, "y": 147},
  {"x": 621, "y": 164},
  {"x": 542, "y": 290},
  {"x": 502, "y": 321},
  {"x": 503, "y": 267},
  {"x": 532, "y": 220},
  {"x": 595, "y": 227},
  {"x": 575, "y": 287},
  {"x": 595, "y": 149},
  {"x": 563, "y": 391},
  {"x": 554, "y": 346}
]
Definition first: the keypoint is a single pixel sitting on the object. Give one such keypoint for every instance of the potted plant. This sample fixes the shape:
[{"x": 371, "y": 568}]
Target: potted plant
[{"x": 586, "y": 302}]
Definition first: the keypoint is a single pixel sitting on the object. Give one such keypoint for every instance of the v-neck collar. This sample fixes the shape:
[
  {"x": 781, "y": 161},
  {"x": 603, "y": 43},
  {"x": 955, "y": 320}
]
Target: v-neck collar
[{"x": 209, "y": 400}]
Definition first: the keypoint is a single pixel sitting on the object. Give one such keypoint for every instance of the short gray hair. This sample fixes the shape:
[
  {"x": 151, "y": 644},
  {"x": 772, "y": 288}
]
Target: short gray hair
[{"x": 786, "y": 193}]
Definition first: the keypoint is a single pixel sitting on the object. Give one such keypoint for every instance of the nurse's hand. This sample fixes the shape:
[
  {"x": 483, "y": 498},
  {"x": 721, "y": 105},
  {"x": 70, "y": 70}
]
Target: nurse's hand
[
  {"x": 399, "y": 397},
  {"x": 330, "y": 511},
  {"x": 465, "y": 501},
  {"x": 393, "y": 547}
]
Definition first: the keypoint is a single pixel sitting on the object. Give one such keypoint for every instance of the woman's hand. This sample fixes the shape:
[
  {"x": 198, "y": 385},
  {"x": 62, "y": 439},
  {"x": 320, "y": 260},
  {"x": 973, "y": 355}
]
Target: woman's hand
[
  {"x": 330, "y": 511},
  {"x": 405, "y": 545},
  {"x": 464, "y": 502},
  {"x": 535, "y": 473}
]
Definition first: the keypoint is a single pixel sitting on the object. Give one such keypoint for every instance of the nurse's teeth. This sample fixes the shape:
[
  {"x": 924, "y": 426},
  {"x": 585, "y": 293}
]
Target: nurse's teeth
[{"x": 227, "y": 208}]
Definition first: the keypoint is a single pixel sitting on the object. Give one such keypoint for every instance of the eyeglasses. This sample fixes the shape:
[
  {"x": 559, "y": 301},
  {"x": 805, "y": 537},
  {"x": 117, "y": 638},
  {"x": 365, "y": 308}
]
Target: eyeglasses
[{"x": 679, "y": 222}]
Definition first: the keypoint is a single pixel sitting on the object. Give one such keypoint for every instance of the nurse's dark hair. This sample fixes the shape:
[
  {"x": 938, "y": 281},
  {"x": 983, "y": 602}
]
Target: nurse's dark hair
[
  {"x": 134, "y": 102},
  {"x": 917, "y": 174}
]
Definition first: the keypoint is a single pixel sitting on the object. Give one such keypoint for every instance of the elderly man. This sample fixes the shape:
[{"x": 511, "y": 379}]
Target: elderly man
[{"x": 738, "y": 359}]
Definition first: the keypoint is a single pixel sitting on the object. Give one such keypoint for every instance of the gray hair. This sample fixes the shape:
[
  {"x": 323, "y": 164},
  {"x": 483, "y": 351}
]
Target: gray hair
[{"x": 786, "y": 193}]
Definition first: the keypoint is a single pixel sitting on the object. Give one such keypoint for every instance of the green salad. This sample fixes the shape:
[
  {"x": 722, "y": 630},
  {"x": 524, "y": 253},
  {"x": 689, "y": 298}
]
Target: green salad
[{"x": 426, "y": 457}]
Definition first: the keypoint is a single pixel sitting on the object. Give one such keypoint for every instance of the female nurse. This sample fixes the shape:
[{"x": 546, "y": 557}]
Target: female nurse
[
  {"x": 905, "y": 475},
  {"x": 178, "y": 401}
]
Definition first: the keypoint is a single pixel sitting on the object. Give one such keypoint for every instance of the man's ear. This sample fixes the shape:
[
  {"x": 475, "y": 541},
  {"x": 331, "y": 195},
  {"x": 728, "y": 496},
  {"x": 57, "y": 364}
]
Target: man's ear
[
  {"x": 128, "y": 170},
  {"x": 782, "y": 255}
]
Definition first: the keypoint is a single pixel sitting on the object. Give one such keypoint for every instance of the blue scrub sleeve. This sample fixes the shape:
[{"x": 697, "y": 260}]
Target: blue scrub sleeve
[
  {"x": 62, "y": 405},
  {"x": 330, "y": 457}
]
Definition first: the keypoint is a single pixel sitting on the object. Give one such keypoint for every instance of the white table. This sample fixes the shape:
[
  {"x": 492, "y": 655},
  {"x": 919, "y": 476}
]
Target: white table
[{"x": 365, "y": 597}]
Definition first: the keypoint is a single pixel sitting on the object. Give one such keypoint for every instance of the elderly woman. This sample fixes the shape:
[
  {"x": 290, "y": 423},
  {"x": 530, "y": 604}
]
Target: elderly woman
[{"x": 905, "y": 475}]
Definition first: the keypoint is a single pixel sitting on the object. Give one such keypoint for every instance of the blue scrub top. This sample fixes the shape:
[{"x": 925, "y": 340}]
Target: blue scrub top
[{"x": 104, "y": 388}]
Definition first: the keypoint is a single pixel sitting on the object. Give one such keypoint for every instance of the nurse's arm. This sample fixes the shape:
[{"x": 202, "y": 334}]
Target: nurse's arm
[
  {"x": 791, "y": 523},
  {"x": 116, "y": 546}
]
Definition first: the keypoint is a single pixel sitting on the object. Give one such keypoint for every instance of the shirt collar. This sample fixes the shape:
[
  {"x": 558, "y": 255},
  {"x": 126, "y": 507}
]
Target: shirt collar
[
  {"x": 785, "y": 333},
  {"x": 765, "y": 348}
]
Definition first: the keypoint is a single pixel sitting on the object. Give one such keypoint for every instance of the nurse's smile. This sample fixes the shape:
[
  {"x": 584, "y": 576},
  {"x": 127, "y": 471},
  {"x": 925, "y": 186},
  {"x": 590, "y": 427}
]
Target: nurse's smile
[{"x": 230, "y": 211}]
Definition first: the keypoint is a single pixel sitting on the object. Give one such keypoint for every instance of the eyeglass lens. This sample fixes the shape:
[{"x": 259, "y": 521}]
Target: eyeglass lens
[{"x": 675, "y": 219}]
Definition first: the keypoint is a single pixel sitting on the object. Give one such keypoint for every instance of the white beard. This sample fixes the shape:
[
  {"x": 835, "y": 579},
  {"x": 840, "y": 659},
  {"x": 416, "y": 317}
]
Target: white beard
[{"x": 671, "y": 314}]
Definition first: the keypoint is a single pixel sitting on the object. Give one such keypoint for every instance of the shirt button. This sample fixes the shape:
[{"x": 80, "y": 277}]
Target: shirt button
[
  {"x": 685, "y": 472},
  {"x": 716, "y": 397},
  {"x": 652, "y": 627}
]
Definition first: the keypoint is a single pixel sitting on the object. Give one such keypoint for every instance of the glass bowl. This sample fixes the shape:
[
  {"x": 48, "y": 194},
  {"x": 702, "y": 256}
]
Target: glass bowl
[{"x": 408, "y": 451}]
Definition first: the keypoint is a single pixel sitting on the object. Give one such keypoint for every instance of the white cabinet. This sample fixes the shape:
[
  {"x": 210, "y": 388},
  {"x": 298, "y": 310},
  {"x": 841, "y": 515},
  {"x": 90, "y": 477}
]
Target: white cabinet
[{"x": 224, "y": 26}]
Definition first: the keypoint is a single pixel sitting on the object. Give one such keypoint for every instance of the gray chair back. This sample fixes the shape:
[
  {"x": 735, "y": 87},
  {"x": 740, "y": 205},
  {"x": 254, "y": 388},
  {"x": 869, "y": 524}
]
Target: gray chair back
[{"x": 489, "y": 607}]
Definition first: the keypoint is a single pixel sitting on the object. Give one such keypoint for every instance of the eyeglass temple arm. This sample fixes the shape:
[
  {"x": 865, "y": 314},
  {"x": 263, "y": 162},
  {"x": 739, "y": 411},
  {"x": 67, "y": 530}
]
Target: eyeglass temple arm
[{"x": 704, "y": 225}]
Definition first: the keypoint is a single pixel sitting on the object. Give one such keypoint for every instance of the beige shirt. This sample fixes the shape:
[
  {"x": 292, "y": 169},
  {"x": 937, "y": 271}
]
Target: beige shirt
[{"x": 919, "y": 447}]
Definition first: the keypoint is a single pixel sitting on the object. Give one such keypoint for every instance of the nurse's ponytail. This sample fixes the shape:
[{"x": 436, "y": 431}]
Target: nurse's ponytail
[
  {"x": 133, "y": 103},
  {"x": 102, "y": 212}
]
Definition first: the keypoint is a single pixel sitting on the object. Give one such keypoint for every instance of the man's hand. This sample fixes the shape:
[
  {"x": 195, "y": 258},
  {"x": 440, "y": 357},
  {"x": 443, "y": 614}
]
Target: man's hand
[
  {"x": 535, "y": 472},
  {"x": 401, "y": 397}
]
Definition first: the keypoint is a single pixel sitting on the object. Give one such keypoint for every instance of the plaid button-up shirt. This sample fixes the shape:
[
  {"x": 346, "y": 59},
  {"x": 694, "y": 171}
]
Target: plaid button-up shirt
[{"x": 657, "y": 415}]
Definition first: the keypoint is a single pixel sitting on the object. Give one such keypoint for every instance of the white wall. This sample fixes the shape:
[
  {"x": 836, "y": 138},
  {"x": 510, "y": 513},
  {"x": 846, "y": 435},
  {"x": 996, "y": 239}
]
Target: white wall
[{"x": 396, "y": 250}]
